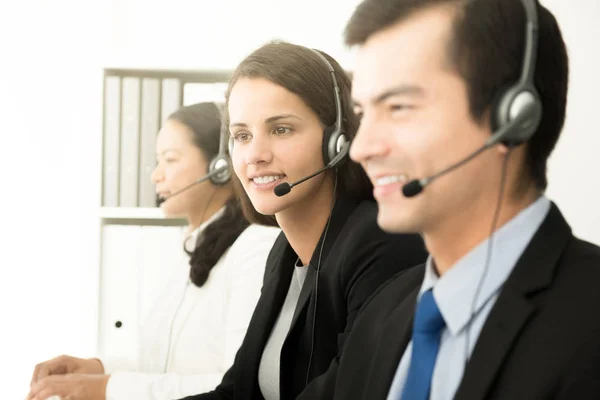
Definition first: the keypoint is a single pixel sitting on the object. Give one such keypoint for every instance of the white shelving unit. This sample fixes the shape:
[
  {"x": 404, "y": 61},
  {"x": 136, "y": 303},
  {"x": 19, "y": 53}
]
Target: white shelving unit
[
  {"x": 144, "y": 213},
  {"x": 137, "y": 243}
]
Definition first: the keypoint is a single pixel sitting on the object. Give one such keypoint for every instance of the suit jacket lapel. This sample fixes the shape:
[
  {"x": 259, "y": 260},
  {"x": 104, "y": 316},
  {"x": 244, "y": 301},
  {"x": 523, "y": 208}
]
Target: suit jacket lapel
[
  {"x": 397, "y": 332},
  {"x": 532, "y": 274},
  {"x": 305, "y": 293},
  {"x": 501, "y": 329},
  {"x": 343, "y": 208},
  {"x": 266, "y": 312}
]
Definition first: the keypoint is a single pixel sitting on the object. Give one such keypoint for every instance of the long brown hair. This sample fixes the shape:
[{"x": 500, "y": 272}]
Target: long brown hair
[{"x": 302, "y": 72}]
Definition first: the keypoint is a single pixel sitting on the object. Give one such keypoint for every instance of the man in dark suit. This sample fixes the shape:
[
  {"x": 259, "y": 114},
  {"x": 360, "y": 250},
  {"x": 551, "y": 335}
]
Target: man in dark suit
[{"x": 507, "y": 305}]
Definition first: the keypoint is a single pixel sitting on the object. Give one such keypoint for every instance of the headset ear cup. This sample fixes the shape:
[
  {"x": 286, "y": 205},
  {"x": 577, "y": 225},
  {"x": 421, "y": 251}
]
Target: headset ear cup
[
  {"x": 518, "y": 100},
  {"x": 341, "y": 146},
  {"x": 496, "y": 117},
  {"x": 328, "y": 155},
  {"x": 224, "y": 176},
  {"x": 333, "y": 146}
]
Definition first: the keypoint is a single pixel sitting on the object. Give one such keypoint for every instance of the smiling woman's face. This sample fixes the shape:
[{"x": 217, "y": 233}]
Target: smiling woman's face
[{"x": 277, "y": 138}]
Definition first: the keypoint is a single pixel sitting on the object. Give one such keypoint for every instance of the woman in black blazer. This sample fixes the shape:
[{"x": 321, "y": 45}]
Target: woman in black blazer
[{"x": 286, "y": 124}]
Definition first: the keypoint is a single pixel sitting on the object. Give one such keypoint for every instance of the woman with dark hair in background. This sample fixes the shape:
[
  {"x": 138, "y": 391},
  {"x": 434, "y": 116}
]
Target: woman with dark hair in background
[
  {"x": 191, "y": 335},
  {"x": 286, "y": 124}
]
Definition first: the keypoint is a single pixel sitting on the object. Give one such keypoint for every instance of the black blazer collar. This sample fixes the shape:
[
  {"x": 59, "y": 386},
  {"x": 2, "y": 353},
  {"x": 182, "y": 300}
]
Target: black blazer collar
[
  {"x": 342, "y": 209},
  {"x": 397, "y": 330},
  {"x": 280, "y": 271},
  {"x": 339, "y": 216},
  {"x": 532, "y": 274},
  {"x": 274, "y": 291}
]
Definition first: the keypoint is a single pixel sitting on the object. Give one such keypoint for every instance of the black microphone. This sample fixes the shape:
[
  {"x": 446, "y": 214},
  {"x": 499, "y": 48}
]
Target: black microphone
[
  {"x": 416, "y": 186},
  {"x": 412, "y": 188},
  {"x": 284, "y": 188},
  {"x": 204, "y": 178}
]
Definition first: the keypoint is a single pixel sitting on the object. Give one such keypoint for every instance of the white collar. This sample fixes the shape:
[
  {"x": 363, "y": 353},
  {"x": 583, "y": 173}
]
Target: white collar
[{"x": 189, "y": 242}]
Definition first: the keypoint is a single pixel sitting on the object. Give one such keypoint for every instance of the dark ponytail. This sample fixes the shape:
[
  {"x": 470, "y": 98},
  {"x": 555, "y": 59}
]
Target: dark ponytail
[
  {"x": 214, "y": 241},
  {"x": 204, "y": 123}
]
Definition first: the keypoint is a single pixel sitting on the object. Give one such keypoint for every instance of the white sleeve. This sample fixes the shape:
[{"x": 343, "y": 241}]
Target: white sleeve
[
  {"x": 246, "y": 261},
  {"x": 112, "y": 364}
]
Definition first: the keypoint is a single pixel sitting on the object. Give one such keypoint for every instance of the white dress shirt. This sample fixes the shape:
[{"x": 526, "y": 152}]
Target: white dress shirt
[{"x": 190, "y": 337}]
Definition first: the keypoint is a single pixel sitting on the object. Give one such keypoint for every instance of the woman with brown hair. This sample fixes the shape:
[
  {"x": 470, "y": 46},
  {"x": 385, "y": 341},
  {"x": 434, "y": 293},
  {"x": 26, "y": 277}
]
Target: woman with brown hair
[{"x": 290, "y": 116}]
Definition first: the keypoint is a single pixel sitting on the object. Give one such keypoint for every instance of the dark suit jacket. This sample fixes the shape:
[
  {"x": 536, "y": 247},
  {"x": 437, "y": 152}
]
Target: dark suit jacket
[
  {"x": 540, "y": 341},
  {"x": 357, "y": 258}
]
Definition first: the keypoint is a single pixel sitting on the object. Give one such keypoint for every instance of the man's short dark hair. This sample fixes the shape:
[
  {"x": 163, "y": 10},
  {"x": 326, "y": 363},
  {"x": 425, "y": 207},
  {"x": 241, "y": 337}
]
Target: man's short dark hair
[{"x": 486, "y": 49}]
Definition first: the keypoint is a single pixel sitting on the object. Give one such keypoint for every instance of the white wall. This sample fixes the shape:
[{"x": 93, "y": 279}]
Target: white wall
[
  {"x": 50, "y": 101},
  {"x": 218, "y": 34},
  {"x": 50, "y": 87},
  {"x": 574, "y": 167}
]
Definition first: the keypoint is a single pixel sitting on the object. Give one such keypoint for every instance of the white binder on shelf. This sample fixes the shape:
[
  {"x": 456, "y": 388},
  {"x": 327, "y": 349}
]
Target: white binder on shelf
[
  {"x": 110, "y": 162},
  {"x": 130, "y": 141},
  {"x": 204, "y": 92},
  {"x": 171, "y": 98},
  {"x": 149, "y": 129}
]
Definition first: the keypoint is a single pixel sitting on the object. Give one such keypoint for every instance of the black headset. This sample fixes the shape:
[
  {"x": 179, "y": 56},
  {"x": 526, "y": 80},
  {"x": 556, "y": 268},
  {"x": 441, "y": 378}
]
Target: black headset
[
  {"x": 334, "y": 137},
  {"x": 219, "y": 168},
  {"x": 517, "y": 111},
  {"x": 516, "y": 115}
]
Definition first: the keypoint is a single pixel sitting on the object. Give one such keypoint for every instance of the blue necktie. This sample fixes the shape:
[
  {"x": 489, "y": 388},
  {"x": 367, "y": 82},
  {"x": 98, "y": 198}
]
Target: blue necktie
[{"x": 427, "y": 332}]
